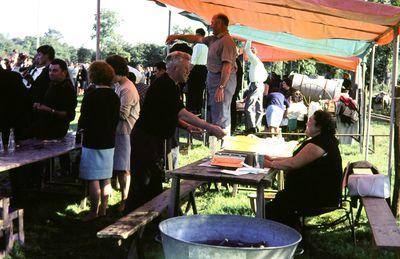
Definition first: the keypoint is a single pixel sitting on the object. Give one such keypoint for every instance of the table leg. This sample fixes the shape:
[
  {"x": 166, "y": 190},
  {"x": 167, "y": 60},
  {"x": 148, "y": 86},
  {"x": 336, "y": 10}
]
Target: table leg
[
  {"x": 260, "y": 201},
  {"x": 173, "y": 207},
  {"x": 281, "y": 180}
]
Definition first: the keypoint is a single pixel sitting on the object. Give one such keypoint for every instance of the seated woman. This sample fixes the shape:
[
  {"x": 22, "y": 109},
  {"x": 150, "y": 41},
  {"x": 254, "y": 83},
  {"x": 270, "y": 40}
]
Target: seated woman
[{"x": 314, "y": 173}]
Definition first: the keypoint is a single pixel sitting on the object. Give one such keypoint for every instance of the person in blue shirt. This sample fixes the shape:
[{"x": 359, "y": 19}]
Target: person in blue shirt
[{"x": 276, "y": 103}]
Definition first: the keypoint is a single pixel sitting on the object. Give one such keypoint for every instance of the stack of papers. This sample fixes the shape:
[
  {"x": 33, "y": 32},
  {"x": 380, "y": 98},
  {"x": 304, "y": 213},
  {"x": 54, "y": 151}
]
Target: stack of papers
[
  {"x": 274, "y": 147},
  {"x": 240, "y": 171}
]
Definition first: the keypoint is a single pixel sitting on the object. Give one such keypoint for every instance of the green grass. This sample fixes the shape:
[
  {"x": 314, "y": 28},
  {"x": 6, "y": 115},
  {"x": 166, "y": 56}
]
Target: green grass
[{"x": 54, "y": 229}]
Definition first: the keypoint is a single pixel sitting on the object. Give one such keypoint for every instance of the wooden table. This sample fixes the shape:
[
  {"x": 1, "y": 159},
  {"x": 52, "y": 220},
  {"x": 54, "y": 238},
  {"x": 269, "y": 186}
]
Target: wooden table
[
  {"x": 36, "y": 150},
  {"x": 201, "y": 173}
]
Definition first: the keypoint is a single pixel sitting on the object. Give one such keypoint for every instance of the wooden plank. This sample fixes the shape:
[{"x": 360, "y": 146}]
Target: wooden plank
[
  {"x": 128, "y": 225},
  {"x": 37, "y": 150},
  {"x": 385, "y": 231}
]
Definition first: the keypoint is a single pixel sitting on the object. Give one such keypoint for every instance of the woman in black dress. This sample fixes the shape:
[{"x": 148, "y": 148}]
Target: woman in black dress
[{"x": 314, "y": 173}]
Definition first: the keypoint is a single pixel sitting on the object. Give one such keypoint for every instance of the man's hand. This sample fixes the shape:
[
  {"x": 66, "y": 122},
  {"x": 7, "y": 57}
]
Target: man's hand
[
  {"x": 216, "y": 131},
  {"x": 28, "y": 77},
  {"x": 42, "y": 108},
  {"x": 196, "y": 131},
  {"x": 267, "y": 161},
  {"x": 219, "y": 95}
]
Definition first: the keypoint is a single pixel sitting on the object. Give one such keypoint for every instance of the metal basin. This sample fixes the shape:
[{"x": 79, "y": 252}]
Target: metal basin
[{"x": 184, "y": 237}]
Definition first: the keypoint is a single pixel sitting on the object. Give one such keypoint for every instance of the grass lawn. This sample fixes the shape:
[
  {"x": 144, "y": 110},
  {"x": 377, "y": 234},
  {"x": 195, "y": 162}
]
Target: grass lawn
[{"x": 53, "y": 228}]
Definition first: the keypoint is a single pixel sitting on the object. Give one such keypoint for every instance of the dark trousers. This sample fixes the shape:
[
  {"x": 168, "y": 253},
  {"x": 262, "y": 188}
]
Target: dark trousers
[
  {"x": 25, "y": 178},
  {"x": 234, "y": 121},
  {"x": 196, "y": 86},
  {"x": 283, "y": 208},
  {"x": 147, "y": 169}
]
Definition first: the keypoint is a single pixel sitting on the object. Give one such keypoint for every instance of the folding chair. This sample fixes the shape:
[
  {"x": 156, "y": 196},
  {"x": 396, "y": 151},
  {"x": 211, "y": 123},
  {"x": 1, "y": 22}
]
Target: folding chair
[{"x": 347, "y": 210}]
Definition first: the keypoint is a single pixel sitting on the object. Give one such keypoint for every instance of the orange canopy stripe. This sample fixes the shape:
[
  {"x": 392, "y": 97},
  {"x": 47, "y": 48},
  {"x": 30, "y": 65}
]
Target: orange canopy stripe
[{"x": 310, "y": 19}]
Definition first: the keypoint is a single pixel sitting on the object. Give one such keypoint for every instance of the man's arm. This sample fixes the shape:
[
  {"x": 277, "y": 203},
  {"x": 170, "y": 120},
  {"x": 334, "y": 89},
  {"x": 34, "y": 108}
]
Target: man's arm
[
  {"x": 192, "y": 119},
  {"x": 249, "y": 53},
  {"x": 44, "y": 108},
  {"x": 225, "y": 73},
  {"x": 185, "y": 37}
]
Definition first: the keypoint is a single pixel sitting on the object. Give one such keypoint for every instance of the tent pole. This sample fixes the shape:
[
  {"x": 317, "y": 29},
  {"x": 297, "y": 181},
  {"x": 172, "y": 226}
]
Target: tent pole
[
  {"x": 98, "y": 31},
  {"x": 371, "y": 85},
  {"x": 392, "y": 108},
  {"x": 169, "y": 28},
  {"x": 169, "y": 22},
  {"x": 362, "y": 108}
]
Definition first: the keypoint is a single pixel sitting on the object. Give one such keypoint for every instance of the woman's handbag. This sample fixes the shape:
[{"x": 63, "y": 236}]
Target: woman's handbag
[{"x": 371, "y": 185}]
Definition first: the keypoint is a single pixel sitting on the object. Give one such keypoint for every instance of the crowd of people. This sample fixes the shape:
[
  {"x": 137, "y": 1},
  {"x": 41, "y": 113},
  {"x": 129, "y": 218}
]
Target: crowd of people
[{"x": 128, "y": 122}]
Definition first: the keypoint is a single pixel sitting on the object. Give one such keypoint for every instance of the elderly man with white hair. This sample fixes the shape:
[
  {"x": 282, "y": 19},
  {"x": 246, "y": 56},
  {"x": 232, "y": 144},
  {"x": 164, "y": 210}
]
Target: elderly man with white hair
[{"x": 159, "y": 116}]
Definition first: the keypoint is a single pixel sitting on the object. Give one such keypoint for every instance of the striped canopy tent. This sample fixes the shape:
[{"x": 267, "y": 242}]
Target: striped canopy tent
[
  {"x": 331, "y": 30},
  {"x": 307, "y": 19},
  {"x": 268, "y": 53},
  {"x": 334, "y": 32}
]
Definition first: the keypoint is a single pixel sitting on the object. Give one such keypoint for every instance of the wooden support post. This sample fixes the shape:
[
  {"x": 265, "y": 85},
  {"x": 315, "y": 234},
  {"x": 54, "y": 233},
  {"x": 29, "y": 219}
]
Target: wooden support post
[
  {"x": 371, "y": 84},
  {"x": 396, "y": 188},
  {"x": 260, "y": 213},
  {"x": 98, "y": 56},
  {"x": 392, "y": 107},
  {"x": 362, "y": 109}
]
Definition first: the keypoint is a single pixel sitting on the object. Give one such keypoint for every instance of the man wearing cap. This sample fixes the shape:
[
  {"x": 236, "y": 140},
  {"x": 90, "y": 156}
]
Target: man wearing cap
[{"x": 221, "y": 66}]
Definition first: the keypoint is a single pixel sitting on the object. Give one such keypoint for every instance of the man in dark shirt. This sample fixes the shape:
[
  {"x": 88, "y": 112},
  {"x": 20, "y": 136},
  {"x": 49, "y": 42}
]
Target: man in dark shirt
[
  {"x": 158, "y": 119},
  {"x": 14, "y": 104},
  {"x": 57, "y": 109}
]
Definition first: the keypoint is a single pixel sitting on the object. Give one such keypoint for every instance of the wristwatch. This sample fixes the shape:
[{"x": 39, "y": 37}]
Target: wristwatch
[
  {"x": 221, "y": 87},
  {"x": 52, "y": 111}
]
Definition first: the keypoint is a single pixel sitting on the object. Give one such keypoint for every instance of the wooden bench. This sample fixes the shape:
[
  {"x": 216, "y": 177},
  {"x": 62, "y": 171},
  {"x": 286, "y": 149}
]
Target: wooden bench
[
  {"x": 135, "y": 222},
  {"x": 385, "y": 232},
  {"x": 9, "y": 232}
]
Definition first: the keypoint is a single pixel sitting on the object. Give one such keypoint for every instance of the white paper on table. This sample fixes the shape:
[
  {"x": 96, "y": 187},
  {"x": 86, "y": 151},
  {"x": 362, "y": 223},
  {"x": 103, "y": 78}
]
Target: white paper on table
[
  {"x": 253, "y": 170},
  {"x": 234, "y": 172},
  {"x": 240, "y": 171}
]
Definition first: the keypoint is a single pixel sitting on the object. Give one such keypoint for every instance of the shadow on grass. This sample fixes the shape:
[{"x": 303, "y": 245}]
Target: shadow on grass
[{"x": 54, "y": 230}]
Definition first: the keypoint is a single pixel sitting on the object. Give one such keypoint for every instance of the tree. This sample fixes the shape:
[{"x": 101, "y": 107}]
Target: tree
[
  {"x": 84, "y": 55},
  {"x": 146, "y": 54},
  {"x": 110, "y": 40},
  {"x": 63, "y": 51},
  {"x": 176, "y": 29}
]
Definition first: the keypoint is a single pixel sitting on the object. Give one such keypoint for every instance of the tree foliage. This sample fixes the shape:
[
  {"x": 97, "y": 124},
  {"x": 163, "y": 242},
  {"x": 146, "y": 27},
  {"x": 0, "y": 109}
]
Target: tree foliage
[
  {"x": 176, "y": 29},
  {"x": 84, "y": 55},
  {"x": 112, "y": 43}
]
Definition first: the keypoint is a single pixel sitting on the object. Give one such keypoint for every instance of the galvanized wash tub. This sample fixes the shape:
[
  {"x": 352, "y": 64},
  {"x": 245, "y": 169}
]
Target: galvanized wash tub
[{"x": 184, "y": 237}]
